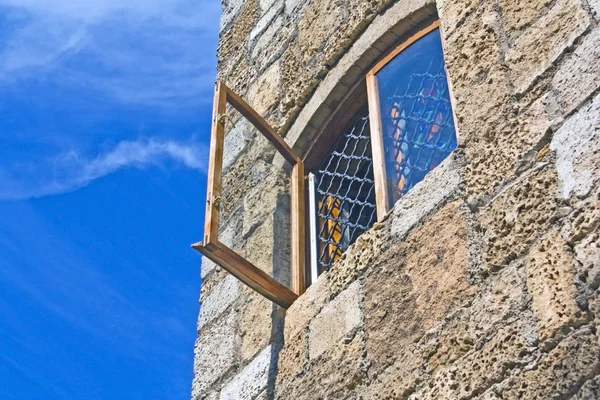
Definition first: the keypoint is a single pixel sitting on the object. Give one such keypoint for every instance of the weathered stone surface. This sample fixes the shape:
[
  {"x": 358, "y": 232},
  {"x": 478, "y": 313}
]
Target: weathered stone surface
[
  {"x": 293, "y": 356},
  {"x": 337, "y": 319},
  {"x": 206, "y": 267},
  {"x": 452, "y": 13},
  {"x": 481, "y": 368},
  {"x": 577, "y": 145},
  {"x": 318, "y": 379},
  {"x": 415, "y": 284},
  {"x": 518, "y": 14},
  {"x": 216, "y": 351},
  {"x": 551, "y": 282},
  {"x": 263, "y": 94},
  {"x": 223, "y": 295},
  {"x": 233, "y": 40},
  {"x": 255, "y": 325},
  {"x": 230, "y": 11},
  {"x": 589, "y": 391},
  {"x": 579, "y": 76},
  {"x": 518, "y": 217},
  {"x": 595, "y": 4},
  {"x": 318, "y": 21},
  {"x": 306, "y": 307},
  {"x": 561, "y": 372},
  {"x": 399, "y": 379},
  {"x": 236, "y": 141},
  {"x": 425, "y": 197},
  {"x": 251, "y": 381},
  {"x": 547, "y": 39}
]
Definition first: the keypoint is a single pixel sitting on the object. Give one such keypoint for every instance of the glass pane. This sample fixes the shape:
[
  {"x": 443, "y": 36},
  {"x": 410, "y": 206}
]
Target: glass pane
[
  {"x": 416, "y": 114},
  {"x": 345, "y": 192}
]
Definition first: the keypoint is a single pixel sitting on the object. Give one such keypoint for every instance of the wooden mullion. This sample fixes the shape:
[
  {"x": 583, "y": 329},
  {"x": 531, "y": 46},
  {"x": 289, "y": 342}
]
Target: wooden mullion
[
  {"x": 215, "y": 165},
  {"x": 378, "y": 150},
  {"x": 247, "y": 272},
  {"x": 298, "y": 203}
]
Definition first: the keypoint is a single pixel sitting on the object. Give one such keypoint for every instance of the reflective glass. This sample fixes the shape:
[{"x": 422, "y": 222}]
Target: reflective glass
[{"x": 416, "y": 114}]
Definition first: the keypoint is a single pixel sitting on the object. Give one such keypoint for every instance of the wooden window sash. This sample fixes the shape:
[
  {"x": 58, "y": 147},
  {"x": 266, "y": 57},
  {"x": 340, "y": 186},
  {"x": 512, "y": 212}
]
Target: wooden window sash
[
  {"x": 381, "y": 189},
  {"x": 224, "y": 256}
]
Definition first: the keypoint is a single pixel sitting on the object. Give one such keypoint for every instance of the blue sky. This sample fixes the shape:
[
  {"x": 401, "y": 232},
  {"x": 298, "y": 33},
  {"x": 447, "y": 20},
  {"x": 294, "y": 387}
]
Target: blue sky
[{"x": 104, "y": 127}]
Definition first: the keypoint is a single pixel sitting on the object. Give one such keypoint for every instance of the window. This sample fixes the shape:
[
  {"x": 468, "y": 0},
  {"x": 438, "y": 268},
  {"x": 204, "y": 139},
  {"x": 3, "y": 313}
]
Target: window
[{"x": 394, "y": 127}]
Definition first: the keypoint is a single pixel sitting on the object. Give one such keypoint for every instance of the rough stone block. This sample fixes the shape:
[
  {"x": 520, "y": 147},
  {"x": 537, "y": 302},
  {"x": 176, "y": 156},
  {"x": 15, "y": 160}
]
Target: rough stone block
[
  {"x": 229, "y": 13},
  {"x": 292, "y": 357},
  {"x": 252, "y": 381},
  {"x": 595, "y": 5},
  {"x": 206, "y": 267},
  {"x": 263, "y": 94},
  {"x": 306, "y": 307},
  {"x": 518, "y": 14},
  {"x": 481, "y": 368},
  {"x": 336, "y": 320},
  {"x": 589, "y": 391},
  {"x": 425, "y": 197},
  {"x": 216, "y": 351},
  {"x": 265, "y": 20},
  {"x": 255, "y": 325},
  {"x": 335, "y": 375},
  {"x": 551, "y": 282},
  {"x": 222, "y": 296},
  {"x": 577, "y": 145},
  {"x": 414, "y": 284},
  {"x": 318, "y": 21},
  {"x": 453, "y": 12},
  {"x": 579, "y": 76},
  {"x": 518, "y": 216},
  {"x": 547, "y": 39},
  {"x": 561, "y": 372},
  {"x": 236, "y": 141},
  {"x": 235, "y": 32},
  {"x": 399, "y": 379}
]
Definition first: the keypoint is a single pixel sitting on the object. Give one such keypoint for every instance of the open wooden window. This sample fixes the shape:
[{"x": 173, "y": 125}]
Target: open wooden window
[{"x": 224, "y": 256}]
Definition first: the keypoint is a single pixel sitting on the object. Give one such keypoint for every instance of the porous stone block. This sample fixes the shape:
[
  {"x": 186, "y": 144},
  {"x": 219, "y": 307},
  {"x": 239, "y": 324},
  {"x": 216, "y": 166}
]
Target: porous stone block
[
  {"x": 426, "y": 196},
  {"x": 399, "y": 379},
  {"x": 534, "y": 52},
  {"x": 306, "y": 307},
  {"x": 318, "y": 21},
  {"x": 222, "y": 296},
  {"x": 265, "y": 20},
  {"x": 453, "y": 12},
  {"x": 236, "y": 141},
  {"x": 551, "y": 283},
  {"x": 251, "y": 381},
  {"x": 414, "y": 284},
  {"x": 235, "y": 33},
  {"x": 292, "y": 357},
  {"x": 334, "y": 375},
  {"x": 517, "y": 14},
  {"x": 518, "y": 216},
  {"x": 595, "y": 5},
  {"x": 216, "y": 351},
  {"x": 268, "y": 246},
  {"x": 561, "y": 372},
  {"x": 579, "y": 76},
  {"x": 336, "y": 320},
  {"x": 481, "y": 368},
  {"x": 263, "y": 94},
  {"x": 230, "y": 9},
  {"x": 255, "y": 325},
  {"x": 206, "y": 267},
  {"x": 589, "y": 391},
  {"x": 577, "y": 146}
]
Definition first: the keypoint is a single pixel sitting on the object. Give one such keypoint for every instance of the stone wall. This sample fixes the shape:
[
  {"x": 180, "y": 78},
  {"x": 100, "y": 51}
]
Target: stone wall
[{"x": 483, "y": 281}]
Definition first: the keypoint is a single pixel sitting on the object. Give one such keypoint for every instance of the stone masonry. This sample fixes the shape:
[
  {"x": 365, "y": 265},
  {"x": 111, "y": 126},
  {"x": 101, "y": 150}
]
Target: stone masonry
[{"x": 483, "y": 282}]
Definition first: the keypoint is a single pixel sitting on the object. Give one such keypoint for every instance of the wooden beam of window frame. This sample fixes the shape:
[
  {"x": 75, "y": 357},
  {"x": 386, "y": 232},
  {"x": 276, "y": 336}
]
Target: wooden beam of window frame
[
  {"x": 382, "y": 197},
  {"x": 222, "y": 255}
]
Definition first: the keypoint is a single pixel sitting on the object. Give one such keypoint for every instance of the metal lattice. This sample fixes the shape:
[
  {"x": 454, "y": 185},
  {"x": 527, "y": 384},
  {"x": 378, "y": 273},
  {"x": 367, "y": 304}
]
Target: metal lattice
[
  {"x": 345, "y": 192},
  {"x": 418, "y": 130}
]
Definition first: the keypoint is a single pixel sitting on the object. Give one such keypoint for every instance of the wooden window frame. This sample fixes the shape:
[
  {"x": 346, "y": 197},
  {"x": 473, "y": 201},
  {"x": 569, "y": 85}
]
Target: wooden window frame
[
  {"x": 384, "y": 205},
  {"x": 224, "y": 256}
]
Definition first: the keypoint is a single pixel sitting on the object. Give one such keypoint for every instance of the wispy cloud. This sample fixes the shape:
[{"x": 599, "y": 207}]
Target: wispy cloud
[
  {"x": 72, "y": 170},
  {"x": 137, "y": 51}
]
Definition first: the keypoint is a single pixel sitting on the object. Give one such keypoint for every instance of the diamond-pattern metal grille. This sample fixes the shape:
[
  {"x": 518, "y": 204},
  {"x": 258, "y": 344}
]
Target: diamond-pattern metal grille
[
  {"x": 418, "y": 129},
  {"x": 345, "y": 192}
]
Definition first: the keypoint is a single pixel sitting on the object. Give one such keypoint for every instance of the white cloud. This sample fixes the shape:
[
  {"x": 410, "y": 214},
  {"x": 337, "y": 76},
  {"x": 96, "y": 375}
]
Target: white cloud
[
  {"x": 73, "y": 170},
  {"x": 138, "y": 51}
]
